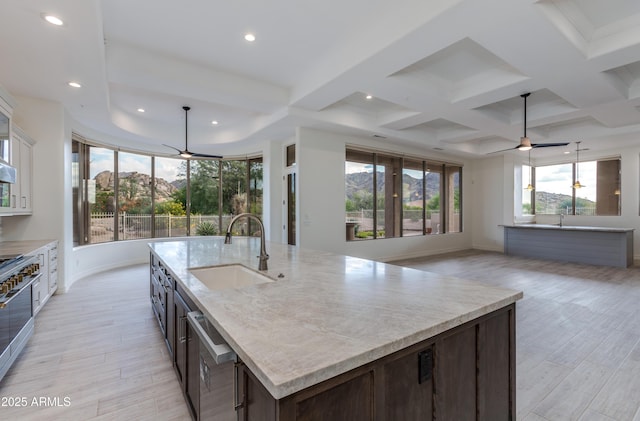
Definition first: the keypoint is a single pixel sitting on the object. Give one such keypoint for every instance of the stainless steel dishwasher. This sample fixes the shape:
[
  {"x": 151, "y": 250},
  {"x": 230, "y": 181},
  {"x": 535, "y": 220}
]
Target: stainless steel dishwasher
[{"x": 217, "y": 373}]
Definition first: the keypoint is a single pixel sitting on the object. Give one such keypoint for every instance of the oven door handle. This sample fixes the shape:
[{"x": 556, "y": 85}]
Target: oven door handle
[
  {"x": 6, "y": 302},
  {"x": 221, "y": 353}
]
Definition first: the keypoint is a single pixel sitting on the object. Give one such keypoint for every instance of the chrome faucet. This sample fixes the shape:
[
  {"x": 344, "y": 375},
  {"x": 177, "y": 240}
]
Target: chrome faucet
[{"x": 263, "y": 251}]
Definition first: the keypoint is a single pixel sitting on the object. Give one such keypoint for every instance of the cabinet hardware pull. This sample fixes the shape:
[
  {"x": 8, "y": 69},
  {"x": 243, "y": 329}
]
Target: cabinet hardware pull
[
  {"x": 236, "y": 405},
  {"x": 181, "y": 328}
]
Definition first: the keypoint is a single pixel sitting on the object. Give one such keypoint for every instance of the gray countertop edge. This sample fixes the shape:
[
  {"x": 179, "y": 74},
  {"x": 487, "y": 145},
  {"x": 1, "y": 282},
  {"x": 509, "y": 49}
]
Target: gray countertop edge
[
  {"x": 567, "y": 227},
  {"x": 22, "y": 247}
]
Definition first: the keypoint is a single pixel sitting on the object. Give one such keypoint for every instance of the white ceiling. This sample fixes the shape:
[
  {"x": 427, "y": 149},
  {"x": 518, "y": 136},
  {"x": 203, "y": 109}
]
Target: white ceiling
[{"x": 444, "y": 74}]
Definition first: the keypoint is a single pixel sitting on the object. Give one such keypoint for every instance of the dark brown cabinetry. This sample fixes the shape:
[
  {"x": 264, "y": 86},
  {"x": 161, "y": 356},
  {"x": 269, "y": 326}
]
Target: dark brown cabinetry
[
  {"x": 187, "y": 355},
  {"x": 467, "y": 373},
  {"x": 170, "y": 308},
  {"x": 162, "y": 287}
]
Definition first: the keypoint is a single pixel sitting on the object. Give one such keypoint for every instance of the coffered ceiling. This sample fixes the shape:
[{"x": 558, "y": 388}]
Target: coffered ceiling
[{"x": 441, "y": 74}]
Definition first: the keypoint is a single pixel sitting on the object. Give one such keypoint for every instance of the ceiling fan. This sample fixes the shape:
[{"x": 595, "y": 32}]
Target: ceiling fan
[
  {"x": 525, "y": 142},
  {"x": 186, "y": 153}
]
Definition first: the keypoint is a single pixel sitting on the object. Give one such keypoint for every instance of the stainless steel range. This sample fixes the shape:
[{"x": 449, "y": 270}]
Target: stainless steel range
[{"x": 17, "y": 274}]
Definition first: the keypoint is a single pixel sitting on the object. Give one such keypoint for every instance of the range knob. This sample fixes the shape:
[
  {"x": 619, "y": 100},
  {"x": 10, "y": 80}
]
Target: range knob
[{"x": 5, "y": 287}]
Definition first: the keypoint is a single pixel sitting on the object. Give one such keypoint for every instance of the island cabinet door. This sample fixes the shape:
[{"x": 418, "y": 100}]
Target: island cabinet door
[
  {"x": 455, "y": 369},
  {"x": 253, "y": 401},
  {"x": 348, "y": 397},
  {"x": 475, "y": 370},
  {"x": 406, "y": 387}
]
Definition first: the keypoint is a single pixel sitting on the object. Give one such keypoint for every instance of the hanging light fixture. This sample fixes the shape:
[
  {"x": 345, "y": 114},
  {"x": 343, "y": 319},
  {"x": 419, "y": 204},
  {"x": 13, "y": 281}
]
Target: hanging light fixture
[
  {"x": 529, "y": 186},
  {"x": 577, "y": 184}
]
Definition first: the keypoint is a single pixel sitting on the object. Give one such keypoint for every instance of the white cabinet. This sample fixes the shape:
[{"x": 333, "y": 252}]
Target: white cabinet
[
  {"x": 22, "y": 160},
  {"x": 44, "y": 288},
  {"x": 6, "y": 110},
  {"x": 53, "y": 267}
]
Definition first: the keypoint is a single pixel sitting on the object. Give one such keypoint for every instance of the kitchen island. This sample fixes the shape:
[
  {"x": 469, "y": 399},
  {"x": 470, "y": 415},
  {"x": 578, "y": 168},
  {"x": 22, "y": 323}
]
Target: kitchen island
[
  {"x": 348, "y": 338},
  {"x": 569, "y": 243}
]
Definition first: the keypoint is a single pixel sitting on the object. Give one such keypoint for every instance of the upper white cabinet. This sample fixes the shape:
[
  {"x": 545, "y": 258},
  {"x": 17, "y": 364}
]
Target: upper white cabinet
[
  {"x": 22, "y": 160},
  {"x": 16, "y": 150}
]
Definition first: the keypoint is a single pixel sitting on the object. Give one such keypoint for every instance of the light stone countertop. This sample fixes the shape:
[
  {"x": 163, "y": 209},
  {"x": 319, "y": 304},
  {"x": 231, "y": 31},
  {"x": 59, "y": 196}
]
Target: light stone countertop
[
  {"x": 569, "y": 227},
  {"x": 9, "y": 248},
  {"x": 328, "y": 314}
]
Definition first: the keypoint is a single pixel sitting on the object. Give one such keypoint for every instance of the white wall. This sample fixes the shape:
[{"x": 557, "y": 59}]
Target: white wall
[
  {"x": 321, "y": 216},
  {"x": 46, "y": 123},
  {"x": 272, "y": 159},
  {"x": 95, "y": 258}
]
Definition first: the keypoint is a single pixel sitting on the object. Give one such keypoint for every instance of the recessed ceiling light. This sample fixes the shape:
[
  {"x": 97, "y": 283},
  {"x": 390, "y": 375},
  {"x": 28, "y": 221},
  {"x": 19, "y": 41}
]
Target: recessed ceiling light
[
  {"x": 140, "y": 110},
  {"x": 214, "y": 122},
  {"x": 567, "y": 152},
  {"x": 54, "y": 20},
  {"x": 369, "y": 97},
  {"x": 74, "y": 84},
  {"x": 249, "y": 37}
]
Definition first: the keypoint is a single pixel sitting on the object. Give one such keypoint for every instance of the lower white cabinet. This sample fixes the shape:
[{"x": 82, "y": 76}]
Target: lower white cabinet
[{"x": 47, "y": 285}]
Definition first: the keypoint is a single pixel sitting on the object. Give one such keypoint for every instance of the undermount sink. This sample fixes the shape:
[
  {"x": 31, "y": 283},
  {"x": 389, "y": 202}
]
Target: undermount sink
[{"x": 228, "y": 276}]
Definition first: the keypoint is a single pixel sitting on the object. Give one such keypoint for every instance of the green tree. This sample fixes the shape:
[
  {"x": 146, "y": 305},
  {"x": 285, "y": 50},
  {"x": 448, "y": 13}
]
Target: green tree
[
  {"x": 170, "y": 207},
  {"x": 104, "y": 202},
  {"x": 434, "y": 202},
  {"x": 362, "y": 199},
  {"x": 205, "y": 185}
]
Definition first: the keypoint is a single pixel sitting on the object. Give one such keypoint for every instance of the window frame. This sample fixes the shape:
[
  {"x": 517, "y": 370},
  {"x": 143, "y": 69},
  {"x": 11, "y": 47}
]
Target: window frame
[
  {"x": 393, "y": 189},
  {"x": 574, "y": 191},
  {"x": 81, "y": 155}
]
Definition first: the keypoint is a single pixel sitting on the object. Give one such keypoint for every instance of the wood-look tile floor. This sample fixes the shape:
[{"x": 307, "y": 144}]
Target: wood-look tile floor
[
  {"x": 578, "y": 344},
  {"x": 577, "y": 333},
  {"x": 98, "y": 350}
]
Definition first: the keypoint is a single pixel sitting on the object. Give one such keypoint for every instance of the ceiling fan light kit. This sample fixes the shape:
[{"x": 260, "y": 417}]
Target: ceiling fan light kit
[{"x": 525, "y": 144}]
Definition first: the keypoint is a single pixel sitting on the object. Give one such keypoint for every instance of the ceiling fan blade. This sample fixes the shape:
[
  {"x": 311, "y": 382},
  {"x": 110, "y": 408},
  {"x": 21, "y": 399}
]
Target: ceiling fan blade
[
  {"x": 547, "y": 145},
  {"x": 503, "y": 150},
  {"x": 172, "y": 147},
  {"x": 204, "y": 155}
]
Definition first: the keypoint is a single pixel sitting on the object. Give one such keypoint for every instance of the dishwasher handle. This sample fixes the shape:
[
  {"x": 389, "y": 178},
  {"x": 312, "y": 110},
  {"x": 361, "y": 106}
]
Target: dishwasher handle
[{"x": 221, "y": 353}]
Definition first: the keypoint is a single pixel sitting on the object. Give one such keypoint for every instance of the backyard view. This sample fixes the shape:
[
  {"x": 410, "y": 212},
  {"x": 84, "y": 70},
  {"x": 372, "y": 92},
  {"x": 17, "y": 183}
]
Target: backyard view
[
  {"x": 382, "y": 204},
  {"x": 167, "y": 197}
]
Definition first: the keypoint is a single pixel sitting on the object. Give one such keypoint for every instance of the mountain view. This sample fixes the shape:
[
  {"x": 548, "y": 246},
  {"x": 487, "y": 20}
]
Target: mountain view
[
  {"x": 164, "y": 189},
  {"x": 358, "y": 188},
  {"x": 356, "y": 183}
]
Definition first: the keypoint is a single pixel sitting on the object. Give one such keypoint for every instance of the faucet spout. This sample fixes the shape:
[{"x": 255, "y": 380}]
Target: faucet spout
[{"x": 262, "y": 265}]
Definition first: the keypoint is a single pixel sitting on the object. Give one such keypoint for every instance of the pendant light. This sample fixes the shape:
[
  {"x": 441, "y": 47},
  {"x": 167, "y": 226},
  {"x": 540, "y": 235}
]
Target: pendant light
[
  {"x": 577, "y": 184},
  {"x": 529, "y": 186}
]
